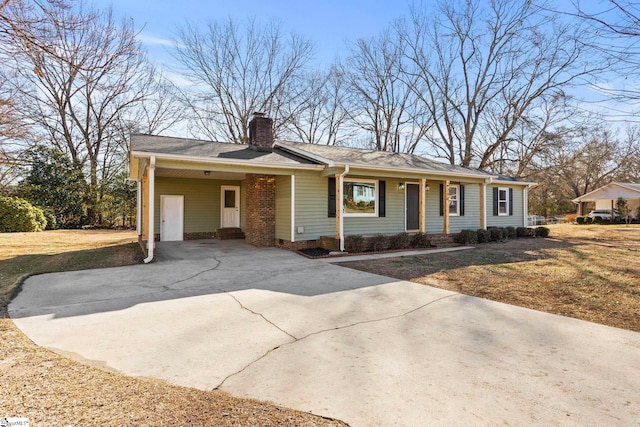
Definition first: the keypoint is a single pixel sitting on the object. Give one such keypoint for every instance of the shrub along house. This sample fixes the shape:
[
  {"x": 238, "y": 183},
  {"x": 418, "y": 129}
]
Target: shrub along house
[{"x": 290, "y": 195}]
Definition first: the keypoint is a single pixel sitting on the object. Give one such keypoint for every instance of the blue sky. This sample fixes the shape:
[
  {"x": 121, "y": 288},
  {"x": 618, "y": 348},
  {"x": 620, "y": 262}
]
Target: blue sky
[{"x": 328, "y": 23}]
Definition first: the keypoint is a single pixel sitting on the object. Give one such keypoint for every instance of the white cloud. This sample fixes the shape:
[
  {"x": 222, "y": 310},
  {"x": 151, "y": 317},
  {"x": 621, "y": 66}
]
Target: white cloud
[{"x": 151, "y": 40}]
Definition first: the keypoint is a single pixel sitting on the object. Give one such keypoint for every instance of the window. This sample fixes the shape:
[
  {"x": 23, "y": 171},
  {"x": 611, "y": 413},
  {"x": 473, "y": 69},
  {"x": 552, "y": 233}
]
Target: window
[
  {"x": 454, "y": 200},
  {"x": 359, "y": 197},
  {"x": 503, "y": 201}
]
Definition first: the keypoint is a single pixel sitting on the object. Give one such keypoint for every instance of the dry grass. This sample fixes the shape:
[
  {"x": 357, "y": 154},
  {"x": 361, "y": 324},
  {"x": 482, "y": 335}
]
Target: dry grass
[
  {"x": 53, "y": 390},
  {"x": 26, "y": 254},
  {"x": 587, "y": 272}
]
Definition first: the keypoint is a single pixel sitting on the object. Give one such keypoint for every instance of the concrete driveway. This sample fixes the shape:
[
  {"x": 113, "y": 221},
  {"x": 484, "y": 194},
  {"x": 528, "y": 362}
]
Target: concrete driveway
[{"x": 366, "y": 349}]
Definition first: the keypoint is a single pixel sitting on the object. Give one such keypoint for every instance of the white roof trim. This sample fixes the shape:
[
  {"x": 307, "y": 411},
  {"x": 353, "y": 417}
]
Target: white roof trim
[
  {"x": 217, "y": 160},
  {"x": 587, "y": 197}
]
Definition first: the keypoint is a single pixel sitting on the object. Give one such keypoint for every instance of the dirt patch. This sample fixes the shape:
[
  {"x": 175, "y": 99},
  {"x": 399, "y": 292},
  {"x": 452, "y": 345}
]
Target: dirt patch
[{"x": 587, "y": 272}]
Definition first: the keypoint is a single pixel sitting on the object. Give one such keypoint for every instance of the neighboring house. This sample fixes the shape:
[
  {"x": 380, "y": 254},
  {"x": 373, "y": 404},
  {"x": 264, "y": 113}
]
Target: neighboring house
[
  {"x": 605, "y": 197},
  {"x": 289, "y": 194}
]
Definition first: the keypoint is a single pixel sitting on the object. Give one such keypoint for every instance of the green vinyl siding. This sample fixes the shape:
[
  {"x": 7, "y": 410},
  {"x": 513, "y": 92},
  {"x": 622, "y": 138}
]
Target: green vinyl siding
[
  {"x": 435, "y": 221},
  {"x": 515, "y": 220},
  {"x": 471, "y": 218},
  {"x": 201, "y": 202},
  {"x": 283, "y": 207},
  {"x": 311, "y": 209},
  {"x": 311, "y": 206}
]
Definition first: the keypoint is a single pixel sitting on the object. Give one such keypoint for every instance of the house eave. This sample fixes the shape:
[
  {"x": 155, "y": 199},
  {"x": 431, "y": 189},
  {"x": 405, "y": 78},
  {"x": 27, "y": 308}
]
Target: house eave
[
  {"x": 225, "y": 162},
  {"x": 425, "y": 172}
]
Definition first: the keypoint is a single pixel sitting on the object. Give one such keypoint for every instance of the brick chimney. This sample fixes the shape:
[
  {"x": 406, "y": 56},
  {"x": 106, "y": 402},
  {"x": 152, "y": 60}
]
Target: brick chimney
[{"x": 261, "y": 132}]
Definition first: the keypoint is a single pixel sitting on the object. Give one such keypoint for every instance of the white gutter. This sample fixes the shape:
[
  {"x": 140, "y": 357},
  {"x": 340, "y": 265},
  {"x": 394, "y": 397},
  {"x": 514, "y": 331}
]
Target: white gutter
[
  {"x": 341, "y": 204},
  {"x": 484, "y": 197},
  {"x": 525, "y": 205},
  {"x": 293, "y": 208},
  {"x": 427, "y": 173},
  {"x": 151, "y": 235}
]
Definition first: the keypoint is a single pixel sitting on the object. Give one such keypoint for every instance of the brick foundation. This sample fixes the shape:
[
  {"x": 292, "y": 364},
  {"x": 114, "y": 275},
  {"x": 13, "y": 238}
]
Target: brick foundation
[
  {"x": 260, "y": 210},
  {"x": 296, "y": 246},
  {"x": 200, "y": 235},
  {"x": 329, "y": 243}
]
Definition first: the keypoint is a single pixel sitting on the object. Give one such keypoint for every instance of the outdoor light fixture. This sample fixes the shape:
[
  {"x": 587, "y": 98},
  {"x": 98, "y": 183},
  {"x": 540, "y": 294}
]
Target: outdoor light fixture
[
  {"x": 426, "y": 187},
  {"x": 207, "y": 173},
  {"x": 401, "y": 186}
]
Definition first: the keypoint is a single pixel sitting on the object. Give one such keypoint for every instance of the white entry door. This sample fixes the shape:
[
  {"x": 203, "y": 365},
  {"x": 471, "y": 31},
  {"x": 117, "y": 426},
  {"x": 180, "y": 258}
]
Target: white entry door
[
  {"x": 171, "y": 217},
  {"x": 230, "y": 206}
]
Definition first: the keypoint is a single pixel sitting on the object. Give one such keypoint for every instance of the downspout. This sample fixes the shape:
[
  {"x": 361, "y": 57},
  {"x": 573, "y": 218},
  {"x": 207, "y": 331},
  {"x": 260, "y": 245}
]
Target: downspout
[
  {"x": 340, "y": 205},
  {"x": 525, "y": 204},
  {"x": 139, "y": 209},
  {"x": 151, "y": 235}
]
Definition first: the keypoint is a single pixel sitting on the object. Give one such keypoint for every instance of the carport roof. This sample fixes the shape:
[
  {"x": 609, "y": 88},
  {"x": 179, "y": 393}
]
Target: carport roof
[
  {"x": 611, "y": 191},
  {"x": 185, "y": 147}
]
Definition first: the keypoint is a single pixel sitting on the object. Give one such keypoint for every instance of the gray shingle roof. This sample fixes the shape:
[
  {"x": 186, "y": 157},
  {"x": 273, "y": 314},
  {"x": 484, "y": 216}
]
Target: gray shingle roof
[
  {"x": 381, "y": 159},
  {"x": 297, "y": 153},
  {"x": 212, "y": 150}
]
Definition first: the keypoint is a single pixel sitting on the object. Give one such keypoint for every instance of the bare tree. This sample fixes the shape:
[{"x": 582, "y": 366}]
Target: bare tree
[
  {"x": 76, "y": 94},
  {"x": 319, "y": 116},
  {"x": 556, "y": 118},
  {"x": 578, "y": 162},
  {"x": 616, "y": 25},
  {"x": 382, "y": 93},
  {"x": 484, "y": 67},
  {"x": 13, "y": 130},
  {"x": 238, "y": 69}
]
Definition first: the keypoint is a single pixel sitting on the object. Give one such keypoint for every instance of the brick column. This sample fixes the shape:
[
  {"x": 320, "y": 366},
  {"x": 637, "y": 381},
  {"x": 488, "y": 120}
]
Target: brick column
[{"x": 260, "y": 213}]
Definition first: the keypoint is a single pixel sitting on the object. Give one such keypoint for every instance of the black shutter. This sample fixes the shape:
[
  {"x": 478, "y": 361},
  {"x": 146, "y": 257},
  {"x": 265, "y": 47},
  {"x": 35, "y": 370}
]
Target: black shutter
[
  {"x": 495, "y": 201},
  {"x": 511, "y": 202},
  {"x": 441, "y": 199},
  {"x": 461, "y": 195},
  {"x": 331, "y": 205},
  {"x": 382, "y": 198}
]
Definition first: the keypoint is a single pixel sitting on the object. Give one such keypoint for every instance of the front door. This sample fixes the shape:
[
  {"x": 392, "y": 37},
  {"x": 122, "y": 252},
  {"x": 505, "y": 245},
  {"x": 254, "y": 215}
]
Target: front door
[
  {"x": 412, "y": 202},
  {"x": 230, "y": 203},
  {"x": 171, "y": 217}
]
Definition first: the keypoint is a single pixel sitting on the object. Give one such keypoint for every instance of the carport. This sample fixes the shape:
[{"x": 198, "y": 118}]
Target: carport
[{"x": 606, "y": 197}]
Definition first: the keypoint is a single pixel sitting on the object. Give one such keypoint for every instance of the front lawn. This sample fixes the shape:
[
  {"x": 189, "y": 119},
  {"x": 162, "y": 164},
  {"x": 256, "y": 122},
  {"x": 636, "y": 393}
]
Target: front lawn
[{"x": 590, "y": 272}]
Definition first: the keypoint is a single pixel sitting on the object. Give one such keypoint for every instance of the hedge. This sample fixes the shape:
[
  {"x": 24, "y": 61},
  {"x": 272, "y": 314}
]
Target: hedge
[{"x": 18, "y": 215}]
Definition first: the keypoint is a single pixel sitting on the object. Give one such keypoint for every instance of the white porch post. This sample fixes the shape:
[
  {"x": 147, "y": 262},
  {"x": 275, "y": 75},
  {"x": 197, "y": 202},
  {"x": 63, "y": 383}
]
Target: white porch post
[{"x": 151, "y": 235}]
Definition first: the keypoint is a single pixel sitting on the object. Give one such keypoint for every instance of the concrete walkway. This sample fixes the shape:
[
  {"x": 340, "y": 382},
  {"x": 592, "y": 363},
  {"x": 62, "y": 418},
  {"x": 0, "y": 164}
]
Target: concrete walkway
[
  {"x": 369, "y": 350},
  {"x": 412, "y": 252}
]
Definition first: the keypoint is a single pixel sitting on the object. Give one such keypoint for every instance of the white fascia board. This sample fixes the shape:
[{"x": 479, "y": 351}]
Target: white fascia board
[
  {"x": 218, "y": 161},
  {"x": 522, "y": 183},
  {"x": 423, "y": 172}
]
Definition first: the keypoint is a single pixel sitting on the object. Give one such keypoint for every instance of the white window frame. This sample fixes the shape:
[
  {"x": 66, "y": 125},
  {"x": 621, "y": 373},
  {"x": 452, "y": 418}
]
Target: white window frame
[
  {"x": 456, "y": 198},
  {"x": 376, "y": 198},
  {"x": 505, "y": 201}
]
